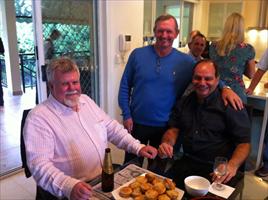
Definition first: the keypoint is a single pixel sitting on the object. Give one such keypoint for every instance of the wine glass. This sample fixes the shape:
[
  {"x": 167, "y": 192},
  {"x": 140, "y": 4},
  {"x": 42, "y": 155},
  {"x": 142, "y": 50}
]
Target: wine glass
[{"x": 220, "y": 169}]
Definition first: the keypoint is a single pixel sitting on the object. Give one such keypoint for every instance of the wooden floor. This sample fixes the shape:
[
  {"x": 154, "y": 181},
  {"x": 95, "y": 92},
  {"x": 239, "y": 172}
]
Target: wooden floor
[{"x": 10, "y": 119}]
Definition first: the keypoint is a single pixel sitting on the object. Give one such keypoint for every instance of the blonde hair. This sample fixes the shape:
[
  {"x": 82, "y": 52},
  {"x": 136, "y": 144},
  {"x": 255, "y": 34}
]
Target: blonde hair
[
  {"x": 233, "y": 34},
  {"x": 63, "y": 64}
]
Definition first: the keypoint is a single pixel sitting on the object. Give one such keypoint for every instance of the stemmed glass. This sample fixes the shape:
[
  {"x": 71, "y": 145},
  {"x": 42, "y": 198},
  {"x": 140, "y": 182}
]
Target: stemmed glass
[{"x": 220, "y": 169}]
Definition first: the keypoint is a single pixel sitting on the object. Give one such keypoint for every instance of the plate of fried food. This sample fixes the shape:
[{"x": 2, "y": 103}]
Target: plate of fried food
[{"x": 148, "y": 186}]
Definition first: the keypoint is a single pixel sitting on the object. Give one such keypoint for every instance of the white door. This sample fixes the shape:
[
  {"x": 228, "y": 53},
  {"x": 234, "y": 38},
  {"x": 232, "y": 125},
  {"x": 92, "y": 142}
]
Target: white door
[{"x": 69, "y": 27}]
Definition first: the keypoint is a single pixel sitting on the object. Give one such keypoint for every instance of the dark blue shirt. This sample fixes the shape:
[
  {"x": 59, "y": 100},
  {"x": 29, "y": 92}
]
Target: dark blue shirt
[{"x": 210, "y": 129}]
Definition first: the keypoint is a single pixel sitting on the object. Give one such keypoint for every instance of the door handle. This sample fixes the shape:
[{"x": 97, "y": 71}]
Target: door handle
[{"x": 43, "y": 71}]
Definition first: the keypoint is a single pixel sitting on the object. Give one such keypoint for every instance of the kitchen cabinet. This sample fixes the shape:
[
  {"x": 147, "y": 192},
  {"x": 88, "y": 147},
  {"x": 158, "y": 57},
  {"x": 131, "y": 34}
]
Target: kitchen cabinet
[
  {"x": 259, "y": 102},
  {"x": 218, "y": 12}
]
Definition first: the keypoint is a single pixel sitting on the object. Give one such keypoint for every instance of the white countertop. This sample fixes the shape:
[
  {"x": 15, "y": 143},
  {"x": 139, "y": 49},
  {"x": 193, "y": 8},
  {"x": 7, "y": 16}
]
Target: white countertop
[
  {"x": 259, "y": 100},
  {"x": 260, "y": 91}
]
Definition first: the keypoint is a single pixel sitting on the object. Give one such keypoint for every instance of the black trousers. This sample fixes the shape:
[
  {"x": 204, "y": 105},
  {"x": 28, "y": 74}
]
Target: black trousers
[
  {"x": 42, "y": 194},
  {"x": 145, "y": 134}
]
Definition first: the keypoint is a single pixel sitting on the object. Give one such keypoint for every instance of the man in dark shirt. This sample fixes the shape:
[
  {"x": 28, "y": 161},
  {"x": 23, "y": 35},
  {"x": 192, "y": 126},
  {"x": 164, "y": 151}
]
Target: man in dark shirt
[{"x": 208, "y": 129}]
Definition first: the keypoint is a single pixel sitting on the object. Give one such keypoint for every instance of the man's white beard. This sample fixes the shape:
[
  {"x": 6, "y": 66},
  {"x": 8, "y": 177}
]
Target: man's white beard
[{"x": 71, "y": 102}]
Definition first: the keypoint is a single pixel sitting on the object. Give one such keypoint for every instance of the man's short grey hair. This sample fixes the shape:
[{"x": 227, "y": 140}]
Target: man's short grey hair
[
  {"x": 165, "y": 17},
  {"x": 198, "y": 35},
  {"x": 63, "y": 64}
]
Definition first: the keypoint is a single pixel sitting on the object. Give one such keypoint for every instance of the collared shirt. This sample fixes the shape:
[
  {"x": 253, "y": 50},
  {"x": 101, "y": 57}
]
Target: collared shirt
[
  {"x": 210, "y": 129},
  {"x": 194, "y": 57},
  {"x": 64, "y": 147}
]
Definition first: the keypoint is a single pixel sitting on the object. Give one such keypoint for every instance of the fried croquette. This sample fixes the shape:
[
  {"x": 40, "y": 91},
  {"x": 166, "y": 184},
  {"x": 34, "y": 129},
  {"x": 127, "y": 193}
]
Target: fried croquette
[
  {"x": 125, "y": 192},
  {"x": 170, "y": 185},
  {"x": 141, "y": 179},
  {"x": 150, "y": 177},
  {"x": 141, "y": 197},
  {"x": 151, "y": 194},
  {"x": 135, "y": 184},
  {"x": 136, "y": 192},
  {"x": 173, "y": 195},
  {"x": 146, "y": 186},
  {"x": 160, "y": 187},
  {"x": 163, "y": 197}
]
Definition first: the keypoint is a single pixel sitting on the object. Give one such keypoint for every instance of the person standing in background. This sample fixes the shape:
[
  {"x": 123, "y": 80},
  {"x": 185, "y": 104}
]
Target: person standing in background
[
  {"x": 233, "y": 56},
  {"x": 2, "y": 51},
  {"x": 186, "y": 48},
  {"x": 49, "y": 52},
  {"x": 155, "y": 75},
  {"x": 262, "y": 66},
  {"x": 49, "y": 49},
  {"x": 197, "y": 46}
]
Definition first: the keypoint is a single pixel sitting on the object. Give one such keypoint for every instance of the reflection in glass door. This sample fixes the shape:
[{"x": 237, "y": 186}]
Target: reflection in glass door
[
  {"x": 68, "y": 30},
  {"x": 183, "y": 12}
]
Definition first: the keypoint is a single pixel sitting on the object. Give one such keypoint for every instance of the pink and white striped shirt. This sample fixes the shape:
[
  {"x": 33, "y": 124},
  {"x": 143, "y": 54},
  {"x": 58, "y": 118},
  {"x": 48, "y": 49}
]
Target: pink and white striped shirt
[{"x": 64, "y": 147}]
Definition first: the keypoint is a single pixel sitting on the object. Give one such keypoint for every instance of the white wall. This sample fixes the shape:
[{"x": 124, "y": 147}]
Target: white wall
[
  {"x": 116, "y": 17},
  {"x": 259, "y": 39},
  {"x": 11, "y": 48}
]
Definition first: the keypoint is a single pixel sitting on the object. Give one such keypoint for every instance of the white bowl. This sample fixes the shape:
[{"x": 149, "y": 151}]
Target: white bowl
[{"x": 196, "y": 186}]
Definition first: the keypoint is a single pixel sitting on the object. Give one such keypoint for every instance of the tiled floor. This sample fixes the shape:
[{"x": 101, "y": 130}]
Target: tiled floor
[
  {"x": 17, "y": 187},
  {"x": 10, "y": 119}
]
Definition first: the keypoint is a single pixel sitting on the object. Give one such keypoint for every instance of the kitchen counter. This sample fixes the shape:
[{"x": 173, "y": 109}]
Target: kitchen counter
[
  {"x": 259, "y": 125},
  {"x": 259, "y": 101}
]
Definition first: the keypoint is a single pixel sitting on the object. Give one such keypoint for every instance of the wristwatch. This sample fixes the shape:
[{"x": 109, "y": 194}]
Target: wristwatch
[{"x": 227, "y": 87}]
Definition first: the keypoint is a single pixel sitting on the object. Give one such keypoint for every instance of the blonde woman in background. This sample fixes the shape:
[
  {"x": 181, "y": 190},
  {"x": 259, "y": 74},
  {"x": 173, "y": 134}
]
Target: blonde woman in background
[{"x": 233, "y": 56}]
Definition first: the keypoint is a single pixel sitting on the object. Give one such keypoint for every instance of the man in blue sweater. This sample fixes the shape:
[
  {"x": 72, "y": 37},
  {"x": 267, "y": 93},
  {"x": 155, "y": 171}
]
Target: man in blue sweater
[{"x": 154, "y": 77}]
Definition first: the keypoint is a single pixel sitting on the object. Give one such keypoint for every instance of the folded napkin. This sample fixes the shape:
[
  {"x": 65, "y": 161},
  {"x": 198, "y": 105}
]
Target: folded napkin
[{"x": 225, "y": 193}]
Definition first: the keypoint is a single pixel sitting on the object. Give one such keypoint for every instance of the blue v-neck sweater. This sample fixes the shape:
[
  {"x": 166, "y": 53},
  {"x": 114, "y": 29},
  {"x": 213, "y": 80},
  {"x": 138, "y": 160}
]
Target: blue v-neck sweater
[{"x": 150, "y": 85}]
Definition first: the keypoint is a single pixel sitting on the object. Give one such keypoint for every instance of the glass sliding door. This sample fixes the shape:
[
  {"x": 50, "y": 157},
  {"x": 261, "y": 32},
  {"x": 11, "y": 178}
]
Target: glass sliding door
[
  {"x": 186, "y": 22},
  {"x": 182, "y": 10},
  {"x": 67, "y": 28}
]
